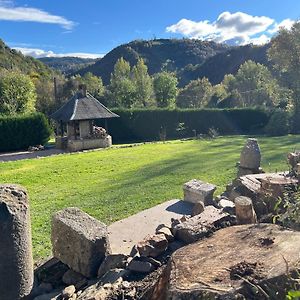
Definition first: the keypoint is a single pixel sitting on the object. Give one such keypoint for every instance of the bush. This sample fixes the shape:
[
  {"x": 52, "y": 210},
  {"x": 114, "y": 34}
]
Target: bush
[
  {"x": 146, "y": 125},
  {"x": 20, "y": 132},
  {"x": 278, "y": 124}
]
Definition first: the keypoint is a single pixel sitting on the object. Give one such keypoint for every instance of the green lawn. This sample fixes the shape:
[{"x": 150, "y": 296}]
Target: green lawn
[{"x": 115, "y": 183}]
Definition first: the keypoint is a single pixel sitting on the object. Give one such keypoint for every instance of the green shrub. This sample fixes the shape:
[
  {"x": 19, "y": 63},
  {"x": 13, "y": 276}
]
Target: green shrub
[
  {"x": 278, "y": 124},
  {"x": 20, "y": 132},
  {"x": 146, "y": 125}
]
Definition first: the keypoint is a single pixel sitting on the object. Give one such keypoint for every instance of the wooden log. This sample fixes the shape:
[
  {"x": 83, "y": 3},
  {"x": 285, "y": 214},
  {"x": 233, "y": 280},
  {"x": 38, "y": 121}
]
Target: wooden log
[{"x": 245, "y": 213}]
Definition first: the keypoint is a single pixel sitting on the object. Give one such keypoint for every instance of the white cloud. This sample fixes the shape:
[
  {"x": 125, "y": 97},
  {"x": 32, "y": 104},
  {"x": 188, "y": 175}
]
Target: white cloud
[
  {"x": 235, "y": 28},
  {"x": 9, "y": 12},
  {"x": 286, "y": 24},
  {"x": 37, "y": 53}
]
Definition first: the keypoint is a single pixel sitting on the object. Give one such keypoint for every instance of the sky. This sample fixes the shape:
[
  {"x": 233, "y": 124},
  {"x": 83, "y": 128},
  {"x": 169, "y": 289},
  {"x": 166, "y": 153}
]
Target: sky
[{"x": 92, "y": 28}]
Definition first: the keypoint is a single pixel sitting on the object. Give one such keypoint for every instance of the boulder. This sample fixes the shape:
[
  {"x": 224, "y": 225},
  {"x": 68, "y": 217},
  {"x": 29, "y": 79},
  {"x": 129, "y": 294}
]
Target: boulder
[
  {"x": 250, "y": 156},
  {"x": 247, "y": 260},
  {"x": 152, "y": 245},
  {"x": 227, "y": 206},
  {"x": 68, "y": 292},
  {"x": 201, "y": 225},
  {"x": 72, "y": 278},
  {"x": 79, "y": 241},
  {"x": 198, "y": 191}
]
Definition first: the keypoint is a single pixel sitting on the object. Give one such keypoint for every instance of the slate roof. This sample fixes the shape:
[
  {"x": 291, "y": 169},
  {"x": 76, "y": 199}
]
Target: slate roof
[{"x": 81, "y": 107}]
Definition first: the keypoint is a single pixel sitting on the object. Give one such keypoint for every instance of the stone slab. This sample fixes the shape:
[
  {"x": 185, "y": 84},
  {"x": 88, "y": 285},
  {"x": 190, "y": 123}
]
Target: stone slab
[
  {"x": 198, "y": 191},
  {"x": 126, "y": 233}
]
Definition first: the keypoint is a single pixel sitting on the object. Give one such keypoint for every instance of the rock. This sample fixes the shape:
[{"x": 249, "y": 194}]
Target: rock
[
  {"x": 175, "y": 246},
  {"x": 153, "y": 245},
  {"x": 16, "y": 263},
  {"x": 72, "y": 278},
  {"x": 43, "y": 288},
  {"x": 245, "y": 213},
  {"x": 198, "y": 209},
  {"x": 201, "y": 225},
  {"x": 79, "y": 241},
  {"x": 51, "y": 272},
  {"x": 140, "y": 266},
  {"x": 98, "y": 291},
  {"x": 112, "y": 261},
  {"x": 293, "y": 159},
  {"x": 250, "y": 155},
  {"x": 198, "y": 191},
  {"x": 163, "y": 229},
  {"x": 113, "y": 275},
  {"x": 68, "y": 292},
  {"x": 55, "y": 295},
  {"x": 227, "y": 206},
  {"x": 222, "y": 266}
]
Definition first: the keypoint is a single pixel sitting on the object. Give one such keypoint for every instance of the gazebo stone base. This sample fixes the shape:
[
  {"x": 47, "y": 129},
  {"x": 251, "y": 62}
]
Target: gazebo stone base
[{"x": 85, "y": 144}]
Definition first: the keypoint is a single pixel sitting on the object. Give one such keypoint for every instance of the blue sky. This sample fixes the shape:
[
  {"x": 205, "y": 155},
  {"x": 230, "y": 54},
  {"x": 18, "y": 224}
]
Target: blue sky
[{"x": 94, "y": 27}]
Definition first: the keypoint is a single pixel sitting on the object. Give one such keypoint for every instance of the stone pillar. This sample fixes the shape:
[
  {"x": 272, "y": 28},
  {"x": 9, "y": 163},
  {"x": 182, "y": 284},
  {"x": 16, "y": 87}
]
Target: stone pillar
[
  {"x": 250, "y": 159},
  {"x": 16, "y": 263},
  {"x": 245, "y": 213}
]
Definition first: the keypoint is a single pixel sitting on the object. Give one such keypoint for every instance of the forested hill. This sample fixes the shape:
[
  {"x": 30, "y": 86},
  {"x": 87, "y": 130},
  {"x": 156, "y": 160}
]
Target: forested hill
[
  {"x": 67, "y": 65},
  {"x": 171, "y": 54},
  {"x": 11, "y": 59},
  {"x": 228, "y": 62}
]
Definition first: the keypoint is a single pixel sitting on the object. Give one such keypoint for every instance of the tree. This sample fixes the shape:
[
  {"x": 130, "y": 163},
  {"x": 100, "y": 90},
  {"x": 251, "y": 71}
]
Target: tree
[
  {"x": 196, "y": 94},
  {"x": 93, "y": 84},
  {"x": 17, "y": 93},
  {"x": 253, "y": 85},
  {"x": 165, "y": 89},
  {"x": 284, "y": 53},
  {"x": 122, "y": 88},
  {"x": 143, "y": 83}
]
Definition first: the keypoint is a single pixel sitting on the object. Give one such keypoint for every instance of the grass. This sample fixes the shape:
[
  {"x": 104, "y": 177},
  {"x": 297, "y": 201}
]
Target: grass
[{"x": 114, "y": 183}]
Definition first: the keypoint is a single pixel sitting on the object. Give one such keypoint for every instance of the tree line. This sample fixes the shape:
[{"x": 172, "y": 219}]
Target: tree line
[{"x": 132, "y": 86}]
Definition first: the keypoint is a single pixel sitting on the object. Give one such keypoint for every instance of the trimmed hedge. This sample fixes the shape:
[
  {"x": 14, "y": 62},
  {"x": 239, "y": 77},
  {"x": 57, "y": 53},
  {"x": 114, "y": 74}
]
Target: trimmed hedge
[
  {"x": 20, "y": 132},
  {"x": 145, "y": 125}
]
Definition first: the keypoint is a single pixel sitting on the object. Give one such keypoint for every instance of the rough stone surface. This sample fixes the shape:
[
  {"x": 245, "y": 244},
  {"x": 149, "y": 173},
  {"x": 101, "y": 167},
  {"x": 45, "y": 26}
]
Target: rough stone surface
[
  {"x": 245, "y": 213},
  {"x": 72, "y": 278},
  {"x": 79, "y": 241},
  {"x": 198, "y": 209},
  {"x": 140, "y": 266},
  {"x": 221, "y": 266},
  {"x": 198, "y": 191},
  {"x": 112, "y": 261},
  {"x": 16, "y": 264},
  {"x": 153, "y": 245},
  {"x": 68, "y": 292},
  {"x": 250, "y": 155},
  {"x": 201, "y": 225},
  {"x": 227, "y": 206},
  {"x": 162, "y": 229}
]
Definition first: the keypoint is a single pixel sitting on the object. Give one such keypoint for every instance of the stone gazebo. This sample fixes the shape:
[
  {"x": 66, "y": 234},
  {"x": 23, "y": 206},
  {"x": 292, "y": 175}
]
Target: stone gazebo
[{"x": 75, "y": 129}]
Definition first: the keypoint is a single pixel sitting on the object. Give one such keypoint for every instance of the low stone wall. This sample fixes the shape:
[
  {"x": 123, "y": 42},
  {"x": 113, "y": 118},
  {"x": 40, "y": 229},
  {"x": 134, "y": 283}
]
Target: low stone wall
[{"x": 86, "y": 144}]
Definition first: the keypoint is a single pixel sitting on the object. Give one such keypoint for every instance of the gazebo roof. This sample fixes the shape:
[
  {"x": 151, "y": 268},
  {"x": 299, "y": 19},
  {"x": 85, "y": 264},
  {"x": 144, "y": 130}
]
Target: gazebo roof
[{"x": 82, "y": 106}]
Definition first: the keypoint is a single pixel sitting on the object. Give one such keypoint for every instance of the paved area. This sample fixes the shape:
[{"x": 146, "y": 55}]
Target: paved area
[
  {"x": 12, "y": 156},
  {"x": 125, "y": 233}
]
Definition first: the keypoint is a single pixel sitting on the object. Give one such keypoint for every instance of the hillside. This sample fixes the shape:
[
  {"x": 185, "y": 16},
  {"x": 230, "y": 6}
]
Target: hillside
[
  {"x": 67, "y": 65},
  {"x": 12, "y": 59},
  {"x": 174, "y": 53},
  {"x": 228, "y": 62}
]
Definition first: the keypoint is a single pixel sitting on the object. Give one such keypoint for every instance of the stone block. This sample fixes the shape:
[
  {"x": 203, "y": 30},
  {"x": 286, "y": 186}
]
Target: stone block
[
  {"x": 153, "y": 245},
  {"x": 112, "y": 261},
  {"x": 79, "y": 241},
  {"x": 250, "y": 155},
  {"x": 198, "y": 191}
]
